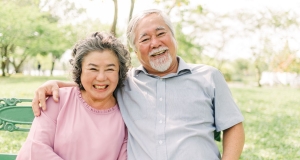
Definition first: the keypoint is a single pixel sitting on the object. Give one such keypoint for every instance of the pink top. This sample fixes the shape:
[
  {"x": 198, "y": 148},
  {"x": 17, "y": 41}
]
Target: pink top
[{"x": 71, "y": 129}]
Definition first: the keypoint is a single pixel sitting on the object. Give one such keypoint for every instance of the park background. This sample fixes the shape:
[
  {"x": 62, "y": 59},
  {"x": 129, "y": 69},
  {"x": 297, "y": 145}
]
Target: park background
[{"x": 255, "y": 44}]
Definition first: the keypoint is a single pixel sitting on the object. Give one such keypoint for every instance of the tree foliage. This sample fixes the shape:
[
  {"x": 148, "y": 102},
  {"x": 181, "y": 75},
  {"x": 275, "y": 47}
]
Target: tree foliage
[
  {"x": 271, "y": 31},
  {"x": 34, "y": 27},
  {"x": 25, "y": 32},
  {"x": 204, "y": 36}
]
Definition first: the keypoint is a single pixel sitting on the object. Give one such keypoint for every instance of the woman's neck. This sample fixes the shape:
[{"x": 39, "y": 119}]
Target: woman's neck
[{"x": 100, "y": 104}]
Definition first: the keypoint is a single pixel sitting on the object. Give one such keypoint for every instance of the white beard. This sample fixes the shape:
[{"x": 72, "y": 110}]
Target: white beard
[{"x": 162, "y": 64}]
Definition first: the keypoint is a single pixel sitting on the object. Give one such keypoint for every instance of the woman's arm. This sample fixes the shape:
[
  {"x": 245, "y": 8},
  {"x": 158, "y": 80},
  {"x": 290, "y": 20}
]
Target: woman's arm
[
  {"x": 49, "y": 88},
  {"x": 123, "y": 151},
  {"x": 40, "y": 141}
]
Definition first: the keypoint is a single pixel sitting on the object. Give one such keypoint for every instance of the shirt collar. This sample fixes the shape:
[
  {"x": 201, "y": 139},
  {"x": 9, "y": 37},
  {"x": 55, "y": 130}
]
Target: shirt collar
[{"x": 182, "y": 68}]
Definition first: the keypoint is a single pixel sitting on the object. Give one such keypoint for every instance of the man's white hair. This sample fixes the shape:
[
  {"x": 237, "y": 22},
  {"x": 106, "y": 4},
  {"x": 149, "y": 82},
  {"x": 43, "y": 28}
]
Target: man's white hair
[{"x": 135, "y": 20}]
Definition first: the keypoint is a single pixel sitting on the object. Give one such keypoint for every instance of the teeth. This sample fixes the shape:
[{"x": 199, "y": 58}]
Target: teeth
[
  {"x": 100, "y": 87},
  {"x": 157, "y": 53}
]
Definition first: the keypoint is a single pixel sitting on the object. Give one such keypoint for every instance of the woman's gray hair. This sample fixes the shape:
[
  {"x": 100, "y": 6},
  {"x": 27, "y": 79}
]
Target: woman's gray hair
[
  {"x": 99, "y": 41},
  {"x": 135, "y": 20}
]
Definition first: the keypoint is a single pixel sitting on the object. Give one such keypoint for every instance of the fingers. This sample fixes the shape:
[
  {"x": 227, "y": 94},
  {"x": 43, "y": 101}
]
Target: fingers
[
  {"x": 55, "y": 94},
  {"x": 42, "y": 100},
  {"x": 35, "y": 105},
  {"x": 39, "y": 101}
]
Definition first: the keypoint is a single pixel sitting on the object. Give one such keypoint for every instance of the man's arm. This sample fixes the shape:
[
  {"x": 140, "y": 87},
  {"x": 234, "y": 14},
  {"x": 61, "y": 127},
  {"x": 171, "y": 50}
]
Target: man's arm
[
  {"x": 233, "y": 142},
  {"x": 47, "y": 89}
]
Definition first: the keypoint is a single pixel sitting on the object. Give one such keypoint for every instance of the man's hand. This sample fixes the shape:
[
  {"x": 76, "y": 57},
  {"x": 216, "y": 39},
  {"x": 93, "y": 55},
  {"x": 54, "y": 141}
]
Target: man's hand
[{"x": 39, "y": 100}]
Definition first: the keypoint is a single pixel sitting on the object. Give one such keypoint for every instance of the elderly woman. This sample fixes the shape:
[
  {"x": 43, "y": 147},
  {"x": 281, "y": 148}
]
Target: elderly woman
[{"x": 86, "y": 123}]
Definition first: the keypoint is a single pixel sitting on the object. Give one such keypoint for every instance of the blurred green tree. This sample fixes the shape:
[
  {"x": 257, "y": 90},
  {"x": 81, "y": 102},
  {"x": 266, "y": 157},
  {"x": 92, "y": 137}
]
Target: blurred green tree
[
  {"x": 26, "y": 32},
  {"x": 263, "y": 26},
  {"x": 285, "y": 60}
]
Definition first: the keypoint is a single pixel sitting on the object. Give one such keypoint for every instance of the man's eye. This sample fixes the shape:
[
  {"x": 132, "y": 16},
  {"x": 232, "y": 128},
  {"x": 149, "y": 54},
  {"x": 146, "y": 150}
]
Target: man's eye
[
  {"x": 144, "y": 40},
  {"x": 93, "y": 69},
  {"x": 162, "y": 33}
]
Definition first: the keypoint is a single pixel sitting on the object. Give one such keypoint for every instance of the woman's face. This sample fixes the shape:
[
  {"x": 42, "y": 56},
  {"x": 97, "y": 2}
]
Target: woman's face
[{"x": 100, "y": 75}]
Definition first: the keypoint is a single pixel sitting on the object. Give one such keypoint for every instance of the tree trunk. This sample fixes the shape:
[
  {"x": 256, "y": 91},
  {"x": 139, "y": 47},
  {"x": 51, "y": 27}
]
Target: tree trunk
[
  {"x": 52, "y": 65},
  {"x": 172, "y": 6},
  {"x": 17, "y": 67},
  {"x": 113, "y": 27},
  {"x": 258, "y": 74},
  {"x": 129, "y": 18},
  {"x": 7, "y": 65},
  {"x": 4, "y": 59},
  {"x": 3, "y": 67},
  {"x": 131, "y": 10}
]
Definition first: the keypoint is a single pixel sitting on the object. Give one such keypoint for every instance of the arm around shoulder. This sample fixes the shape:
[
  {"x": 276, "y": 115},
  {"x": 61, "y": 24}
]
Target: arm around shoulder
[{"x": 49, "y": 88}]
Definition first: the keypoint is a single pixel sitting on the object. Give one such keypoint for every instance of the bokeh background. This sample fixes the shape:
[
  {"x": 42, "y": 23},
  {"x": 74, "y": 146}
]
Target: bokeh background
[
  {"x": 250, "y": 41},
  {"x": 254, "y": 43}
]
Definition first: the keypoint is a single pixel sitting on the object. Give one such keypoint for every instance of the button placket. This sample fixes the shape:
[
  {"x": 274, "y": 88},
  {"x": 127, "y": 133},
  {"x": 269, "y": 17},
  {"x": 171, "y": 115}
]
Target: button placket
[{"x": 160, "y": 122}]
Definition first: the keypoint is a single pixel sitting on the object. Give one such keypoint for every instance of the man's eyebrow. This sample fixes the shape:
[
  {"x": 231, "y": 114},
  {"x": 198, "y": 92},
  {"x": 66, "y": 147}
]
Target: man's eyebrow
[
  {"x": 157, "y": 29},
  {"x": 160, "y": 28}
]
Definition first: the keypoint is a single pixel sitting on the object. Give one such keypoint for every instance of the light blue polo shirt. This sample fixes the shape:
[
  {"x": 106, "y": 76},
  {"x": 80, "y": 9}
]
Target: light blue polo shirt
[{"x": 174, "y": 117}]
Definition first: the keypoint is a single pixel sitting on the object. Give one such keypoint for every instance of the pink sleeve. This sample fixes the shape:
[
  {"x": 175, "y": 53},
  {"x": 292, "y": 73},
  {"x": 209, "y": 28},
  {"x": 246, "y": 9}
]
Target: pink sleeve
[
  {"x": 123, "y": 151},
  {"x": 40, "y": 140}
]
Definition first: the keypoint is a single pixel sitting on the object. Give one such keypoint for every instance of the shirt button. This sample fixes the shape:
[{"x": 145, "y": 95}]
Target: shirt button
[
  {"x": 160, "y": 142},
  {"x": 160, "y": 99},
  {"x": 160, "y": 121}
]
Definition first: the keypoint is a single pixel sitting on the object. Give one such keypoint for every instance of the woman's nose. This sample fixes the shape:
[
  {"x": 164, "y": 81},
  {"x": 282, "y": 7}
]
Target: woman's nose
[{"x": 101, "y": 76}]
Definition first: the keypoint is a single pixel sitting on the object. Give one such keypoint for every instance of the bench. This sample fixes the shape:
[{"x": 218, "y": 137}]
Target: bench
[{"x": 15, "y": 115}]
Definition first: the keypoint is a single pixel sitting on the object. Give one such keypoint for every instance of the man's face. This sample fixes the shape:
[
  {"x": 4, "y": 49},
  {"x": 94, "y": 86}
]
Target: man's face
[{"x": 156, "y": 47}]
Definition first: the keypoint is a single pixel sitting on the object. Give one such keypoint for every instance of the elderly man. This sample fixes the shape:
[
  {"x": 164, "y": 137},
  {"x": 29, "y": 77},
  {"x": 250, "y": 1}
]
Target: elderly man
[{"x": 171, "y": 108}]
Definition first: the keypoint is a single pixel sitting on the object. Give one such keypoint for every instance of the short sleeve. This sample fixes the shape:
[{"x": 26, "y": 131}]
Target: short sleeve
[{"x": 227, "y": 113}]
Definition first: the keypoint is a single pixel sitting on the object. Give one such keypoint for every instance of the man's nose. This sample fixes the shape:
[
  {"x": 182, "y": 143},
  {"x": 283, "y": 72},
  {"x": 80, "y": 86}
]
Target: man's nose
[{"x": 155, "y": 42}]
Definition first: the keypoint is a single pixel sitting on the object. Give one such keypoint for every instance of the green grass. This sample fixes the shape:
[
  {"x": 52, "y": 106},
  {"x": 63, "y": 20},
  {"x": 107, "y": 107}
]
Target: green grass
[
  {"x": 23, "y": 86},
  {"x": 272, "y": 124},
  {"x": 18, "y": 86}
]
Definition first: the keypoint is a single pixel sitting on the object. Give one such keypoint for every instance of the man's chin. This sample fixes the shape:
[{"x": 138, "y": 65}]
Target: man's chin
[{"x": 160, "y": 68}]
